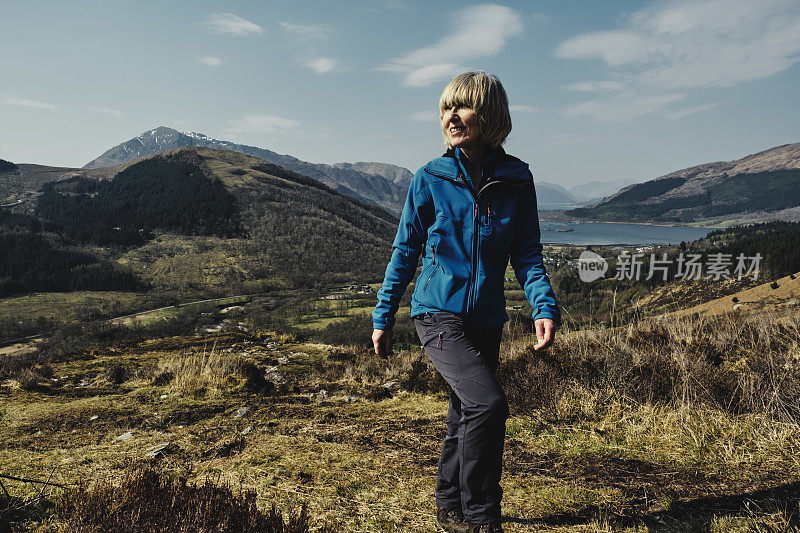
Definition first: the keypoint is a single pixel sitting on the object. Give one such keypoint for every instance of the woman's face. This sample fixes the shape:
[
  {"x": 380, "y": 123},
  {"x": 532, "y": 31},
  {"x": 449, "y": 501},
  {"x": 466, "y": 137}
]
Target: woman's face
[{"x": 460, "y": 125}]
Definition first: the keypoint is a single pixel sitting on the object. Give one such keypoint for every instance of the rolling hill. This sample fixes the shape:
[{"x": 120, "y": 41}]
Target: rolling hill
[
  {"x": 20, "y": 183},
  {"x": 760, "y": 187}
]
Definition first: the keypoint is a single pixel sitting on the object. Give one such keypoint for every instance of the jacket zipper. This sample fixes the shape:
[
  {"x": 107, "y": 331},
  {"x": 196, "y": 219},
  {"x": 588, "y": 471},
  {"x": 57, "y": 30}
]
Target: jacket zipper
[
  {"x": 471, "y": 296},
  {"x": 474, "y": 259}
]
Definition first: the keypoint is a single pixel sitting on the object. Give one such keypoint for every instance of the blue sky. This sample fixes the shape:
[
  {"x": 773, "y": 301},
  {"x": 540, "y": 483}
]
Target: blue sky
[{"x": 599, "y": 90}]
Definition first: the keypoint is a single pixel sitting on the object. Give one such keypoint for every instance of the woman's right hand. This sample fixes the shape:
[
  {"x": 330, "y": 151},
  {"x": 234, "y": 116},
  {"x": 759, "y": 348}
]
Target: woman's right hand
[{"x": 382, "y": 341}]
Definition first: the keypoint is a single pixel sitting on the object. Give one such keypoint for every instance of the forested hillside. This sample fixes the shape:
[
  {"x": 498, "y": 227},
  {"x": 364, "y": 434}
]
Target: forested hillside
[
  {"x": 374, "y": 183},
  {"x": 777, "y": 242},
  {"x": 150, "y": 195},
  {"x": 31, "y": 262},
  {"x": 302, "y": 229},
  {"x": 194, "y": 219}
]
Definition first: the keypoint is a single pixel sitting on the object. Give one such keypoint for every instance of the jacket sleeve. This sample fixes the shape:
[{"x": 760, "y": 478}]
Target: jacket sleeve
[
  {"x": 408, "y": 244},
  {"x": 526, "y": 259}
]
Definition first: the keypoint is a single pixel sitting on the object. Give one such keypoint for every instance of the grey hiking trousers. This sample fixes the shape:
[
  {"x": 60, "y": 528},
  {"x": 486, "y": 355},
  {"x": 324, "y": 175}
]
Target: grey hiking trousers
[{"x": 472, "y": 454}]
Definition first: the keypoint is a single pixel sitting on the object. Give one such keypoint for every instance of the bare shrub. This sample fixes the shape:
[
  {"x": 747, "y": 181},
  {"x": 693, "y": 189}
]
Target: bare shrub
[
  {"x": 254, "y": 379},
  {"x": 117, "y": 374},
  {"x": 150, "y": 500},
  {"x": 357, "y": 330},
  {"x": 31, "y": 377},
  {"x": 421, "y": 376},
  {"x": 534, "y": 382}
]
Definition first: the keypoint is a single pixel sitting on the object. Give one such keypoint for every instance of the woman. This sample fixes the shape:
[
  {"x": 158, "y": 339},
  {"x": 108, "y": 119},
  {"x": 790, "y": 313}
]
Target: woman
[{"x": 467, "y": 213}]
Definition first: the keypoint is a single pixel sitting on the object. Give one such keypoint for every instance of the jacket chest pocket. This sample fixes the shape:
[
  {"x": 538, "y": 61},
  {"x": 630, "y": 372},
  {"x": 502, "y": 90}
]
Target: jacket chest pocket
[{"x": 496, "y": 223}]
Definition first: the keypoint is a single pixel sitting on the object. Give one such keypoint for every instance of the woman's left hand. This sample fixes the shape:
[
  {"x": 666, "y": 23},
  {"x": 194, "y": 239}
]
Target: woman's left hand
[{"x": 545, "y": 332}]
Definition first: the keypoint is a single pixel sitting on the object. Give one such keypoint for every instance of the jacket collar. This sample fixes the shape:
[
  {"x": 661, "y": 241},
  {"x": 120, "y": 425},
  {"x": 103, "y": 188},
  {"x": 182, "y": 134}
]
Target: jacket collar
[{"x": 499, "y": 165}]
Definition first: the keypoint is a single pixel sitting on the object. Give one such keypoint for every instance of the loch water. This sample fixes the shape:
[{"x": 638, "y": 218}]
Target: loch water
[{"x": 602, "y": 233}]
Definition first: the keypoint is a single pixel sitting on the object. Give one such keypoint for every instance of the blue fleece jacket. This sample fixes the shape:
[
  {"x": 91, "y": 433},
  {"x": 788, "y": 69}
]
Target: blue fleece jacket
[{"x": 466, "y": 238}]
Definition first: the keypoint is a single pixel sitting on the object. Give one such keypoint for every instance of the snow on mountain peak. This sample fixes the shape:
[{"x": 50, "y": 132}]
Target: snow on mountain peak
[{"x": 196, "y": 135}]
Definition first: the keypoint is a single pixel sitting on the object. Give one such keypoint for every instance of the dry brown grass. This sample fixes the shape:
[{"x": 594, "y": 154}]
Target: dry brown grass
[
  {"x": 612, "y": 430},
  {"x": 735, "y": 362},
  {"x": 206, "y": 373}
]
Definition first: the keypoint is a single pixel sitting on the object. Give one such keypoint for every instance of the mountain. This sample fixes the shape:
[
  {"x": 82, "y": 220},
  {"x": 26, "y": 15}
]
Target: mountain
[
  {"x": 759, "y": 187},
  {"x": 594, "y": 191},
  {"x": 373, "y": 186},
  {"x": 396, "y": 174},
  {"x": 552, "y": 193}
]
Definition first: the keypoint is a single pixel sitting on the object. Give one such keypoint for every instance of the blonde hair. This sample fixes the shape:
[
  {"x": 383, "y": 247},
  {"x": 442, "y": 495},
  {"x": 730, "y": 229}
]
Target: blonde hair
[{"x": 484, "y": 94}]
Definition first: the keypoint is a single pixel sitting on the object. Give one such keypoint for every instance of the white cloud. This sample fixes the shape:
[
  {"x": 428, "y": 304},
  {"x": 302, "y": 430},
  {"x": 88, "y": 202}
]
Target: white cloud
[
  {"x": 428, "y": 74},
  {"x": 679, "y": 45},
  {"x": 105, "y": 110},
  {"x": 321, "y": 65},
  {"x": 230, "y": 24},
  {"x": 523, "y": 108},
  {"x": 307, "y": 31},
  {"x": 424, "y": 116},
  {"x": 677, "y": 115},
  {"x": 613, "y": 47},
  {"x": 29, "y": 103},
  {"x": 688, "y": 44},
  {"x": 210, "y": 61},
  {"x": 264, "y": 124},
  {"x": 624, "y": 107},
  {"x": 478, "y": 31}
]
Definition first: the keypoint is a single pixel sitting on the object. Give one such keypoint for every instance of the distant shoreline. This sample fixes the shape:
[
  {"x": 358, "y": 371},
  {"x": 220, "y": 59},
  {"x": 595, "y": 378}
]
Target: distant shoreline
[{"x": 557, "y": 215}]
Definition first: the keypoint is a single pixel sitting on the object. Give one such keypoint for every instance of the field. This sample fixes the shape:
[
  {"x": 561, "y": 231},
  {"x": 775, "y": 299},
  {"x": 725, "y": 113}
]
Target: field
[{"x": 680, "y": 424}]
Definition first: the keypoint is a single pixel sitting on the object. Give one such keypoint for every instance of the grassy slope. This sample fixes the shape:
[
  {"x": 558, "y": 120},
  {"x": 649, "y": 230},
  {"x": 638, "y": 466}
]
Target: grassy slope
[
  {"x": 592, "y": 460},
  {"x": 764, "y": 296},
  {"x": 683, "y": 298}
]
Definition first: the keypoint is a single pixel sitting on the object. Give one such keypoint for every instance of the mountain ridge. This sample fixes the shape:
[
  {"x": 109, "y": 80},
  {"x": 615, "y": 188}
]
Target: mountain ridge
[
  {"x": 763, "y": 185},
  {"x": 371, "y": 187}
]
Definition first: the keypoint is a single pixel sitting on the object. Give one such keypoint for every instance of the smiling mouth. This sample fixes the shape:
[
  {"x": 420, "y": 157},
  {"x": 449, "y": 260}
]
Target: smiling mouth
[{"x": 457, "y": 129}]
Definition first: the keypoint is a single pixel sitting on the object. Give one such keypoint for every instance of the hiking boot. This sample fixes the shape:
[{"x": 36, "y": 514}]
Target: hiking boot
[
  {"x": 491, "y": 527},
  {"x": 451, "y": 520}
]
